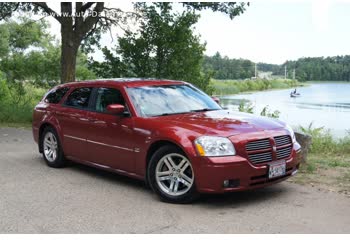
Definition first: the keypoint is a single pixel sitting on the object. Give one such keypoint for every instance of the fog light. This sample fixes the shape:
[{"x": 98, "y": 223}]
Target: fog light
[
  {"x": 226, "y": 183},
  {"x": 231, "y": 183}
]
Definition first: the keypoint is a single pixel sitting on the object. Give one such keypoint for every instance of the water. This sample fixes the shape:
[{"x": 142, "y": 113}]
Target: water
[{"x": 325, "y": 104}]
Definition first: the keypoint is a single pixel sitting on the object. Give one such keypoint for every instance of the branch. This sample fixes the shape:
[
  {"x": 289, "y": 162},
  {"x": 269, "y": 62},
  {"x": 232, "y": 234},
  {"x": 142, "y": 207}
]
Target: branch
[
  {"x": 90, "y": 21},
  {"x": 48, "y": 10},
  {"x": 8, "y": 13},
  {"x": 86, "y": 6}
]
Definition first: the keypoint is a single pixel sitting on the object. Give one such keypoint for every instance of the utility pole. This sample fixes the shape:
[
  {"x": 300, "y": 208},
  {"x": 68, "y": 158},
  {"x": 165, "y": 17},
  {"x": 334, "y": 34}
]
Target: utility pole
[
  {"x": 285, "y": 71},
  {"x": 293, "y": 73},
  {"x": 255, "y": 70}
]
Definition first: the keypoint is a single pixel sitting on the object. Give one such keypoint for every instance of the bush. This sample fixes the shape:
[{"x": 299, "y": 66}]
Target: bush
[
  {"x": 324, "y": 143},
  {"x": 248, "y": 107},
  {"x": 17, "y": 101}
]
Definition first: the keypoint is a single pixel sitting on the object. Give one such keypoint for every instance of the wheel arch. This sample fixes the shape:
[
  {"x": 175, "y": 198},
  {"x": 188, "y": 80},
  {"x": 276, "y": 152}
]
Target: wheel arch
[
  {"x": 41, "y": 131},
  {"x": 157, "y": 145}
]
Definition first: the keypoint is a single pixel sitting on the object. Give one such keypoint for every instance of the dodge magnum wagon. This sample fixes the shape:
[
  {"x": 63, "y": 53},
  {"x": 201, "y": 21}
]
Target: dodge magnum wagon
[{"x": 167, "y": 133}]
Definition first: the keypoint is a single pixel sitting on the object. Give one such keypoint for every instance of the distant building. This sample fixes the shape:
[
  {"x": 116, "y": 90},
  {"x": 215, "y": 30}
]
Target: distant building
[{"x": 265, "y": 75}]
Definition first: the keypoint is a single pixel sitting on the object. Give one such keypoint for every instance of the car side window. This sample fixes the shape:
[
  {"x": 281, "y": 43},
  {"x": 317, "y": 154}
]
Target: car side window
[
  {"x": 79, "y": 98},
  {"x": 56, "y": 95},
  {"x": 107, "y": 96}
]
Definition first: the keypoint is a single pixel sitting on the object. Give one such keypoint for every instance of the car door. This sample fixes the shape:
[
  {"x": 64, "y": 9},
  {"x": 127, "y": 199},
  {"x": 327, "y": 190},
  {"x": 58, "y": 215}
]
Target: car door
[
  {"x": 110, "y": 137},
  {"x": 74, "y": 122}
]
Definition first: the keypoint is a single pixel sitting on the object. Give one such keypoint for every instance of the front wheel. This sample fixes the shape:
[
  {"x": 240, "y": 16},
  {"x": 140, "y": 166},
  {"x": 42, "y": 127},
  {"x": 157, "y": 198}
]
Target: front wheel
[
  {"x": 52, "y": 150},
  {"x": 171, "y": 175}
]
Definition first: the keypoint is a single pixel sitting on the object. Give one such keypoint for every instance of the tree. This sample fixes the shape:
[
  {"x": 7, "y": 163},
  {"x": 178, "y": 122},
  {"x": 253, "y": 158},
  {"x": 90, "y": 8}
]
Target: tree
[
  {"x": 226, "y": 68},
  {"x": 164, "y": 47},
  {"x": 84, "y": 23},
  {"x": 28, "y": 52}
]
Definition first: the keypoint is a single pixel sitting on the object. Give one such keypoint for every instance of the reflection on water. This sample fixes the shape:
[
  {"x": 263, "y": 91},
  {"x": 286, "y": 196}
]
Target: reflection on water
[{"x": 324, "y": 104}]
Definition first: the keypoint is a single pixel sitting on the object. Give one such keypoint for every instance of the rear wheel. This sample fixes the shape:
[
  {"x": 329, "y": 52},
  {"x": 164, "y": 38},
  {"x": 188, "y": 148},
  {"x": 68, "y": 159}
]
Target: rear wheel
[
  {"x": 52, "y": 150},
  {"x": 171, "y": 175}
]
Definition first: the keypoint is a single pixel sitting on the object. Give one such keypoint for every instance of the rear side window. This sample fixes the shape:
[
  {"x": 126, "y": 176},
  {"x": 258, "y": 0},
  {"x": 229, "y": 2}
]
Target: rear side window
[
  {"x": 56, "y": 95},
  {"x": 79, "y": 98}
]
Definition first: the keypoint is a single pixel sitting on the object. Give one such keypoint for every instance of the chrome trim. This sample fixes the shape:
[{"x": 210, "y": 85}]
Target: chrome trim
[
  {"x": 76, "y": 138},
  {"x": 108, "y": 145},
  {"x": 103, "y": 144},
  {"x": 136, "y": 150}
]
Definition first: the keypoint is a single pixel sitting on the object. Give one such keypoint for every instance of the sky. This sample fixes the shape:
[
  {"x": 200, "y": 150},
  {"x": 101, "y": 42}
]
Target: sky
[
  {"x": 276, "y": 31},
  {"x": 268, "y": 31}
]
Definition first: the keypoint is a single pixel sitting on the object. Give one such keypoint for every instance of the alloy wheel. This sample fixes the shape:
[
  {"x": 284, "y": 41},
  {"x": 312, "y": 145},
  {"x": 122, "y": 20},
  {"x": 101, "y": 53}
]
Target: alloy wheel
[
  {"x": 50, "y": 147},
  {"x": 174, "y": 174}
]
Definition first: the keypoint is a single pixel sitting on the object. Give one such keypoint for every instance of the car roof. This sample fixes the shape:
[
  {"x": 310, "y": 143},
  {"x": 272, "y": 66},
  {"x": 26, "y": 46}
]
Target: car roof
[{"x": 127, "y": 82}]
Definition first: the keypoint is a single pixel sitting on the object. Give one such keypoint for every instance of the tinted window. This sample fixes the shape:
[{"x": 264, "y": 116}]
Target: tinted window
[
  {"x": 79, "y": 98},
  {"x": 107, "y": 96},
  {"x": 56, "y": 95}
]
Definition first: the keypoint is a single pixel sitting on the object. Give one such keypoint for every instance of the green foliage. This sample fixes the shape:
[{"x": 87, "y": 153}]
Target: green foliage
[
  {"x": 232, "y": 9},
  {"x": 226, "y": 68},
  {"x": 27, "y": 52},
  {"x": 227, "y": 87},
  {"x": 164, "y": 47},
  {"x": 324, "y": 143},
  {"x": 248, "y": 107},
  {"x": 17, "y": 101},
  {"x": 335, "y": 68},
  {"x": 265, "y": 112}
]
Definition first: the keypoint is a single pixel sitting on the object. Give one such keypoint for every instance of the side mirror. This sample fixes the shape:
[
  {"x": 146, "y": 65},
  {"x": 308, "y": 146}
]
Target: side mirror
[
  {"x": 116, "y": 109},
  {"x": 216, "y": 99}
]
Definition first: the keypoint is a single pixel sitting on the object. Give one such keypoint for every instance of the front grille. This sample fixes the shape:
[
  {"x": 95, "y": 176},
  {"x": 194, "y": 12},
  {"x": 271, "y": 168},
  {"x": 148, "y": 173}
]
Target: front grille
[
  {"x": 258, "y": 145},
  {"x": 283, "y": 152},
  {"x": 260, "y": 151},
  {"x": 263, "y": 145},
  {"x": 260, "y": 157},
  {"x": 282, "y": 140}
]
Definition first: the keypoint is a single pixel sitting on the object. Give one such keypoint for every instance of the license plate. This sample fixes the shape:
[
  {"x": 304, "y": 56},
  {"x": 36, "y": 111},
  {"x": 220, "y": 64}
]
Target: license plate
[{"x": 277, "y": 169}]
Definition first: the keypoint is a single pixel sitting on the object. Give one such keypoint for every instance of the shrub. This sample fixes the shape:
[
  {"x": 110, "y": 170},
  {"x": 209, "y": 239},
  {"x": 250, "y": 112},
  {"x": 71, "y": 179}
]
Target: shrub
[
  {"x": 324, "y": 143},
  {"x": 17, "y": 101}
]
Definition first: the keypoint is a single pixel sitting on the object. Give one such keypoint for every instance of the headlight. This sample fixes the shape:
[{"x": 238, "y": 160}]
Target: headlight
[
  {"x": 214, "y": 146},
  {"x": 290, "y": 130}
]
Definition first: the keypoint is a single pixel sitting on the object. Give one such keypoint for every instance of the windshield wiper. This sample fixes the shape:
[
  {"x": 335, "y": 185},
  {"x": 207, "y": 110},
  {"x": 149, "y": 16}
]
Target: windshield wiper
[
  {"x": 204, "y": 110},
  {"x": 196, "y": 110},
  {"x": 167, "y": 114}
]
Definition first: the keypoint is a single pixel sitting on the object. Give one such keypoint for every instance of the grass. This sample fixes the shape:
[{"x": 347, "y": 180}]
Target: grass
[
  {"x": 17, "y": 101},
  {"x": 229, "y": 87},
  {"x": 328, "y": 163},
  {"x": 324, "y": 143},
  {"x": 330, "y": 173}
]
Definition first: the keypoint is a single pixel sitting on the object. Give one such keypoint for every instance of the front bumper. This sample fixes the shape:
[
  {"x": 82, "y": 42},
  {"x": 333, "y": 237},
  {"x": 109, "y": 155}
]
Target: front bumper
[{"x": 243, "y": 175}]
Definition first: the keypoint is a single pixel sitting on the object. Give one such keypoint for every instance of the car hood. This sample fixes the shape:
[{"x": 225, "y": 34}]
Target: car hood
[{"x": 221, "y": 122}]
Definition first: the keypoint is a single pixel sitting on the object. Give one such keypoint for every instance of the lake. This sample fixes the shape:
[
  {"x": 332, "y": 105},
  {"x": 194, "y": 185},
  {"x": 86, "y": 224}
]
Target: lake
[{"x": 324, "y": 104}]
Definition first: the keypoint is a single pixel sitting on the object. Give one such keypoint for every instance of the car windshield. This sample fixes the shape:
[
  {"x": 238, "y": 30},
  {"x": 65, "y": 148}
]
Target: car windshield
[{"x": 164, "y": 100}]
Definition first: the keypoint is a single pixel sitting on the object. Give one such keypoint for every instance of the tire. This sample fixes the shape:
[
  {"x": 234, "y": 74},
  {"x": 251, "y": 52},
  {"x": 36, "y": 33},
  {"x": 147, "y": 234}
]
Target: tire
[
  {"x": 52, "y": 149},
  {"x": 175, "y": 181}
]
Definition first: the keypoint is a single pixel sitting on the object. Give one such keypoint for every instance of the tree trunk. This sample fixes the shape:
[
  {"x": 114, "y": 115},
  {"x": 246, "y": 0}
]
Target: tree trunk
[
  {"x": 69, "y": 51},
  {"x": 70, "y": 45}
]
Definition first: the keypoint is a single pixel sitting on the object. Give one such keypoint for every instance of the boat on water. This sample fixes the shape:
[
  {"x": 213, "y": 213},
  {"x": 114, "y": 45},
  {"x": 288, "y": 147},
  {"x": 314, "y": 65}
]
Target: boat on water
[{"x": 294, "y": 94}]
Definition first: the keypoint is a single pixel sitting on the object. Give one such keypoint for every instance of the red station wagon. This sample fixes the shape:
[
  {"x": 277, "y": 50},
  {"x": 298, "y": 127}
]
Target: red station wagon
[{"x": 167, "y": 133}]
